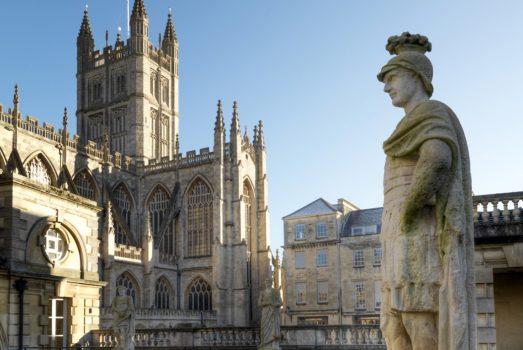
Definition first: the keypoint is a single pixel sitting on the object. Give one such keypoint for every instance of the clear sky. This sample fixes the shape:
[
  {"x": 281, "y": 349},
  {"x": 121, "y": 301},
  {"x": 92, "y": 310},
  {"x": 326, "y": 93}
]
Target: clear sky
[{"x": 308, "y": 70}]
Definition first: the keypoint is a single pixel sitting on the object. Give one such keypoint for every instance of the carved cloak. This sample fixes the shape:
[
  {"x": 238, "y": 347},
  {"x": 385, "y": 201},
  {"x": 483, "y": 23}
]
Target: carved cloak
[{"x": 454, "y": 221}]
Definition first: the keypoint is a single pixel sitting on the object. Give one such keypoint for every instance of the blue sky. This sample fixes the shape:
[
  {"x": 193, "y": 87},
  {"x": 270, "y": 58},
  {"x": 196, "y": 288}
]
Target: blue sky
[{"x": 308, "y": 70}]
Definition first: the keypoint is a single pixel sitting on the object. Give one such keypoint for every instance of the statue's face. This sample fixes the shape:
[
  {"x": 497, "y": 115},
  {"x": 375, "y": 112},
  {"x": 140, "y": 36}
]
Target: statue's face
[{"x": 401, "y": 85}]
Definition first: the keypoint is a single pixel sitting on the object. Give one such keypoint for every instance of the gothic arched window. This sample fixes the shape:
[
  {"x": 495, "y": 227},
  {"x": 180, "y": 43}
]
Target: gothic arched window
[
  {"x": 200, "y": 296},
  {"x": 38, "y": 171},
  {"x": 85, "y": 185},
  {"x": 158, "y": 205},
  {"x": 162, "y": 296},
  {"x": 125, "y": 281},
  {"x": 248, "y": 200},
  {"x": 122, "y": 198},
  {"x": 199, "y": 219}
]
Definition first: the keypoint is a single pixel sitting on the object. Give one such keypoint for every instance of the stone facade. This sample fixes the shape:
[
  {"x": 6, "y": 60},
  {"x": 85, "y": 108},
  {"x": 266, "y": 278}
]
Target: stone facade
[
  {"x": 118, "y": 204},
  {"x": 329, "y": 266},
  {"x": 353, "y": 270}
]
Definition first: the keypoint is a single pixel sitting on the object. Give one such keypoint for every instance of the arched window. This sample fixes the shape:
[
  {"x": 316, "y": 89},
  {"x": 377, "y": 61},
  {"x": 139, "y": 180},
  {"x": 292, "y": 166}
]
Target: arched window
[
  {"x": 199, "y": 219},
  {"x": 158, "y": 205},
  {"x": 125, "y": 281},
  {"x": 162, "y": 296},
  {"x": 38, "y": 171},
  {"x": 123, "y": 201},
  {"x": 200, "y": 296},
  {"x": 248, "y": 200},
  {"x": 85, "y": 185}
]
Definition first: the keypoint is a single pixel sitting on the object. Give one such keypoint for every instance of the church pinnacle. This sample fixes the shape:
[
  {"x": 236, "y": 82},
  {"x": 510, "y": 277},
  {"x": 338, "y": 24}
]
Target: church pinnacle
[
  {"x": 235, "y": 124},
  {"x": 139, "y": 9},
  {"x": 219, "y": 125},
  {"x": 170, "y": 34},
  {"x": 85, "y": 27}
]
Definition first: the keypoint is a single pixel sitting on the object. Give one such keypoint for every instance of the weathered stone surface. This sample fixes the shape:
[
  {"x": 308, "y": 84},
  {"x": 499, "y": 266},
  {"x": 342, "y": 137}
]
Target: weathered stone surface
[{"x": 427, "y": 227}]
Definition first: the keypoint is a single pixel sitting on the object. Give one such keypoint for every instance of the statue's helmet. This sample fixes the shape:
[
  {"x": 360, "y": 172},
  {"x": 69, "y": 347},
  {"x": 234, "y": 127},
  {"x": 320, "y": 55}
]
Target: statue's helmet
[{"x": 410, "y": 55}]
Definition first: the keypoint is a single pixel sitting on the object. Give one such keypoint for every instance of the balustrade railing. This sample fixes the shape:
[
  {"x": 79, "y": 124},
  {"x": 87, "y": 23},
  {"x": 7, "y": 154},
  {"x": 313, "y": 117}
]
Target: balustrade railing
[
  {"x": 365, "y": 336},
  {"x": 499, "y": 208}
]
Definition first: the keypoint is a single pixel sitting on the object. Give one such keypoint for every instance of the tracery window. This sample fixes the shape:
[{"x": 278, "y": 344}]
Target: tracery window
[
  {"x": 200, "y": 296},
  {"x": 38, "y": 171},
  {"x": 85, "y": 186},
  {"x": 162, "y": 296},
  {"x": 123, "y": 201},
  {"x": 125, "y": 281},
  {"x": 158, "y": 205},
  {"x": 199, "y": 219}
]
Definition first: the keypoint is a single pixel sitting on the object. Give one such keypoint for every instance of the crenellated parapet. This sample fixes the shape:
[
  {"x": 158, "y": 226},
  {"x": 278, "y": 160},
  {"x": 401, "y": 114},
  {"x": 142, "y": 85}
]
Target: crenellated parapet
[{"x": 49, "y": 133}]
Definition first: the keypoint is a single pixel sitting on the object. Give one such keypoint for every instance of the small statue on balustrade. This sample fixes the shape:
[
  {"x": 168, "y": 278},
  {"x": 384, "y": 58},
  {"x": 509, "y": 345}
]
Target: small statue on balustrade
[
  {"x": 270, "y": 303},
  {"x": 123, "y": 319}
]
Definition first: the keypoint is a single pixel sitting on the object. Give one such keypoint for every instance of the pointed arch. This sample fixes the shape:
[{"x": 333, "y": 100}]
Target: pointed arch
[
  {"x": 40, "y": 169},
  {"x": 199, "y": 295},
  {"x": 199, "y": 209},
  {"x": 158, "y": 206},
  {"x": 123, "y": 203},
  {"x": 127, "y": 280},
  {"x": 249, "y": 212},
  {"x": 195, "y": 178},
  {"x": 163, "y": 294},
  {"x": 86, "y": 184}
]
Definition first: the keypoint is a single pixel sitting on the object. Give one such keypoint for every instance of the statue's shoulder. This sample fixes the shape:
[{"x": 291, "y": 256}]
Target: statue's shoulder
[{"x": 432, "y": 107}]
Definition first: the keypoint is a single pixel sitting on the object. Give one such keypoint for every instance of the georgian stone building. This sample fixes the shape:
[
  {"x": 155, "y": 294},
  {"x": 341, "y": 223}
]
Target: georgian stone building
[
  {"x": 331, "y": 264},
  {"x": 118, "y": 204}
]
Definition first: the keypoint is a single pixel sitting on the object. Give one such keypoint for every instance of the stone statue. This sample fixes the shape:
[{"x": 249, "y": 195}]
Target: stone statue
[
  {"x": 123, "y": 319},
  {"x": 427, "y": 238},
  {"x": 270, "y": 303}
]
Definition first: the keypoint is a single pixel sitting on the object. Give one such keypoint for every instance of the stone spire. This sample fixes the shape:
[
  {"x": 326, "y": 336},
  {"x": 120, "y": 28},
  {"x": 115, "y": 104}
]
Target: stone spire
[
  {"x": 85, "y": 27},
  {"x": 260, "y": 139},
  {"x": 16, "y": 100},
  {"x": 219, "y": 125},
  {"x": 139, "y": 28},
  {"x": 170, "y": 34},
  {"x": 65, "y": 121},
  {"x": 255, "y": 136},
  {"x": 139, "y": 9},
  {"x": 236, "y": 135},
  {"x": 119, "y": 41},
  {"x": 84, "y": 43},
  {"x": 235, "y": 124}
]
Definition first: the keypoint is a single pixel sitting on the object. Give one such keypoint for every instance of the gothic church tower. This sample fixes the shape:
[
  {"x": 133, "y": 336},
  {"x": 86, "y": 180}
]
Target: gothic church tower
[{"x": 130, "y": 90}]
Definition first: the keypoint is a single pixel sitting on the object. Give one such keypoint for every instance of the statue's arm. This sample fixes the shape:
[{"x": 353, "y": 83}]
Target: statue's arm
[{"x": 431, "y": 173}]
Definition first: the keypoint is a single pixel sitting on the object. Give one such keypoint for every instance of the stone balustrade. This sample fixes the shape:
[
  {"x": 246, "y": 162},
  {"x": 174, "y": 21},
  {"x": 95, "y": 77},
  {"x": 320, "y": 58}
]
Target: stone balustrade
[
  {"x": 344, "y": 336},
  {"x": 223, "y": 337},
  {"x": 500, "y": 208},
  {"x": 244, "y": 336}
]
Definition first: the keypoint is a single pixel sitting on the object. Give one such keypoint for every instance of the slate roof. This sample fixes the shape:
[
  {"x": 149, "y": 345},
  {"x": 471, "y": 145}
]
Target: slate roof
[
  {"x": 318, "y": 207},
  {"x": 363, "y": 217}
]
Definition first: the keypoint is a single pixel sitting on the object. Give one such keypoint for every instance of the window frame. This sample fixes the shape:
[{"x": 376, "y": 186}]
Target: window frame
[
  {"x": 322, "y": 297},
  {"x": 358, "y": 258},
  {"x": 302, "y": 265},
  {"x": 321, "y": 258},
  {"x": 301, "y": 232},
  {"x": 324, "y": 231}
]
